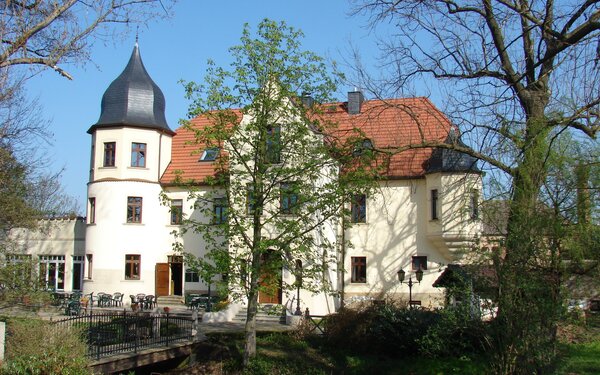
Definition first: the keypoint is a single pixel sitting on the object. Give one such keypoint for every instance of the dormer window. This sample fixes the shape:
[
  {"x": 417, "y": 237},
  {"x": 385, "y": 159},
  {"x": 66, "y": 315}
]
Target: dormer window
[
  {"x": 363, "y": 146},
  {"x": 210, "y": 154}
]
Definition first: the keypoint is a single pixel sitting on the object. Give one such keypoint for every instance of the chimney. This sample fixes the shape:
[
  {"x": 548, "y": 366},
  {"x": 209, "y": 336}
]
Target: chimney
[
  {"x": 307, "y": 99},
  {"x": 355, "y": 100}
]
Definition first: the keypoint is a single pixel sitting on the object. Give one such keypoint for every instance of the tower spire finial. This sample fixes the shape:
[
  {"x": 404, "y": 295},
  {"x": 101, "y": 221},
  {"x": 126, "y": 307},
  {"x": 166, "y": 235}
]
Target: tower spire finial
[{"x": 137, "y": 34}]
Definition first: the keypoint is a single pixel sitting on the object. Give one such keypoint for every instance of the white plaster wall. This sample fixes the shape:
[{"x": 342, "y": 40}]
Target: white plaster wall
[
  {"x": 53, "y": 237},
  {"x": 396, "y": 230},
  {"x": 454, "y": 231},
  {"x": 193, "y": 242},
  {"x": 111, "y": 237},
  {"x": 158, "y": 153}
]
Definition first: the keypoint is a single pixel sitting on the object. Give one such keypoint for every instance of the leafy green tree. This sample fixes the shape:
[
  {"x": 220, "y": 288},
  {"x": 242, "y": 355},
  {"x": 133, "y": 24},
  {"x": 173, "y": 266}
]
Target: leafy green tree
[
  {"x": 282, "y": 170},
  {"x": 516, "y": 72}
]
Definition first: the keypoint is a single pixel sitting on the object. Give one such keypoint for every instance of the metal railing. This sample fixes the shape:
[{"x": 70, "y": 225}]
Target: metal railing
[{"x": 109, "y": 333}]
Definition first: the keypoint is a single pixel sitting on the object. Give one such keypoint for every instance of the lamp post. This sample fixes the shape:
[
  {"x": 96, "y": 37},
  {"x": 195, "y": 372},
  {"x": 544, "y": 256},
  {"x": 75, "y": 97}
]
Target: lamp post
[
  {"x": 410, "y": 283},
  {"x": 298, "y": 286}
]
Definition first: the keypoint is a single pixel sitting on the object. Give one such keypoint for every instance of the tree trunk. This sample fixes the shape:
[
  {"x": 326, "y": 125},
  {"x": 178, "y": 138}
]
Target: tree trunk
[
  {"x": 528, "y": 278},
  {"x": 250, "y": 328}
]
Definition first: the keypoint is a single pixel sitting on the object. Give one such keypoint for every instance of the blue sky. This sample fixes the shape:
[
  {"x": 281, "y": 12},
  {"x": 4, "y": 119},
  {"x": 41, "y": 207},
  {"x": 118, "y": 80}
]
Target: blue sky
[{"x": 176, "y": 49}]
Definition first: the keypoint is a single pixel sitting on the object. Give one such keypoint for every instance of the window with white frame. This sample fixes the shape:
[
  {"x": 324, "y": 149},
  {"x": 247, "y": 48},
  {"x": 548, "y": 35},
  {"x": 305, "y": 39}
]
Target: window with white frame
[{"x": 52, "y": 271}]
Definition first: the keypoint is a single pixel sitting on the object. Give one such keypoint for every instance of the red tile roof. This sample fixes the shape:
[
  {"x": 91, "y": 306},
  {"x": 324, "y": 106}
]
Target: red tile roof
[{"x": 389, "y": 124}]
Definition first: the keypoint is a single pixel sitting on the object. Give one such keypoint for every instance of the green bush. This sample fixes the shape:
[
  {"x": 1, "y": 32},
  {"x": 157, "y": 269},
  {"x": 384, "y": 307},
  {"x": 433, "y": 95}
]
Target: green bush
[
  {"x": 454, "y": 334},
  {"x": 386, "y": 329},
  {"x": 170, "y": 329},
  {"x": 37, "y": 347}
]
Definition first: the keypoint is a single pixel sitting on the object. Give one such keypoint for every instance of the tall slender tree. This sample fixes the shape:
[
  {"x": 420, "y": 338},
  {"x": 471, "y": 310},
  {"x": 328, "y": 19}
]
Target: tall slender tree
[{"x": 281, "y": 169}]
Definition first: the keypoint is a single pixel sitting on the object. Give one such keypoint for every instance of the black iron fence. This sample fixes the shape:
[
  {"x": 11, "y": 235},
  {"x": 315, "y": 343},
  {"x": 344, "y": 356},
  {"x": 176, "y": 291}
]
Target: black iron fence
[{"x": 109, "y": 333}]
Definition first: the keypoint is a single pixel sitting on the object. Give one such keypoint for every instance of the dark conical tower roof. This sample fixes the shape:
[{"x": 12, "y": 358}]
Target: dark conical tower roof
[{"x": 133, "y": 99}]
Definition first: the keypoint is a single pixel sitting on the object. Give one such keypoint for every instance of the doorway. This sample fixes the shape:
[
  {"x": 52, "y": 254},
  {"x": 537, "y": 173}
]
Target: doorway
[
  {"x": 270, "y": 280},
  {"x": 161, "y": 279},
  {"x": 176, "y": 265}
]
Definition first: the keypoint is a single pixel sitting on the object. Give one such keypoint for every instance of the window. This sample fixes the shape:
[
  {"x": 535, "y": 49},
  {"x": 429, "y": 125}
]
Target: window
[
  {"x": 419, "y": 263},
  {"x": 77, "y": 272},
  {"x": 363, "y": 147},
  {"x": 359, "y": 269},
  {"x": 434, "y": 204},
  {"x": 191, "y": 276},
  {"x": 176, "y": 211},
  {"x": 474, "y": 204},
  {"x": 273, "y": 151},
  {"x": 109, "y": 154},
  {"x": 358, "y": 209},
  {"x": 138, "y": 154},
  {"x": 134, "y": 209},
  {"x": 90, "y": 261},
  {"x": 220, "y": 210},
  {"x": 251, "y": 201},
  {"x": 132, "y": 267},
  {"x": 288, "y": 199},
  {"x": 92, "y": 211},
  {"x": 210, "y": 154},
  {"x": 52, "y": 271}
]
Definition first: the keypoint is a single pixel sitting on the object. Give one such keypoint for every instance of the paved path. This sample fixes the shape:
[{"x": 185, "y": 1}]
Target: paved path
[{"x": 206, "y": 328}]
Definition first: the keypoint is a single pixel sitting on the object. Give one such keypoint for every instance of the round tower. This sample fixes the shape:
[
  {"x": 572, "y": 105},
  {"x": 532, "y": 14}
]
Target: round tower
[{"x": 126, "y": 234}]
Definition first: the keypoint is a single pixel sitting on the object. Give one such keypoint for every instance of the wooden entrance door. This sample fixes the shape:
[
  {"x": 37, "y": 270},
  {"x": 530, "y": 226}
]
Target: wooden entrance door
[
  {"x": 161, "y": 279},
  {"x": 270, "y": 281}
]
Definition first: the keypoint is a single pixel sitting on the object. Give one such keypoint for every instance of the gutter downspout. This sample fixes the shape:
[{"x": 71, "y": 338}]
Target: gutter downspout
[{"x": 159, "y": 156}]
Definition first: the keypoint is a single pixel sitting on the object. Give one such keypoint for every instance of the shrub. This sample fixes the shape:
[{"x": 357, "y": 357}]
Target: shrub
[
  {"x": 37, "y": 347},
  {"x": 386, "y": 329},
  {"x": 170, "y": 329},
  {"x": 454, "y": 334},
  {"x": 380, "y": 329}
]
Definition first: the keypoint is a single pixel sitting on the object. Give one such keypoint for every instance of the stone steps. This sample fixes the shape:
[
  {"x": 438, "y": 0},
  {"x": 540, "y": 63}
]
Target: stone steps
[
  {"x": 170, "y": 300},
  {"x": 266, "y": 314}
]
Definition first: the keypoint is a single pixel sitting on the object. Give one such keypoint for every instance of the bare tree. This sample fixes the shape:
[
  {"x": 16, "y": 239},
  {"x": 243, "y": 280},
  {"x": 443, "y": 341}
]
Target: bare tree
[
  {"x": 48, "y": 34},
  {"x": 37, "y": 35},
  {"x": 516, "y": 73}
]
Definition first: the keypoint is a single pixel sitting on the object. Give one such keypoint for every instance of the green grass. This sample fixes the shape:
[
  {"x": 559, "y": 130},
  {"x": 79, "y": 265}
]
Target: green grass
[
  {"x": 281, "y": 353},
  {"x": 581, "y": 356},
  {"x": 580, "y": 359}
]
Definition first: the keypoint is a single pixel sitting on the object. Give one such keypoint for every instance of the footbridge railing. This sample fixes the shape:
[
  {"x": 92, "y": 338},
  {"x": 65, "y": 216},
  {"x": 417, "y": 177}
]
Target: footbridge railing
[{"x": 110, "y": 333}]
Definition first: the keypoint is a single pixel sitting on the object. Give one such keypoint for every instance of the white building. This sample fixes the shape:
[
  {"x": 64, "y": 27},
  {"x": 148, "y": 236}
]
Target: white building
[{"x": 424, "y": 215}]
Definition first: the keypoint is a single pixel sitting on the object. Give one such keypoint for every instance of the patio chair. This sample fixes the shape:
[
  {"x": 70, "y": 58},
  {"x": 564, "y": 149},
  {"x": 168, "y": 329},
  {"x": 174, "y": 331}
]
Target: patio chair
[
  {"x": 141, "y": 299},
  {"x": 104, "y": 299},
  {"x": 149, "y": 302},
  {"x": 117, "y": 299},
  {"x": 189, "y": 298},
  {"x": 73, "y": 308},
  {"x": 199, "y": 302}
]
